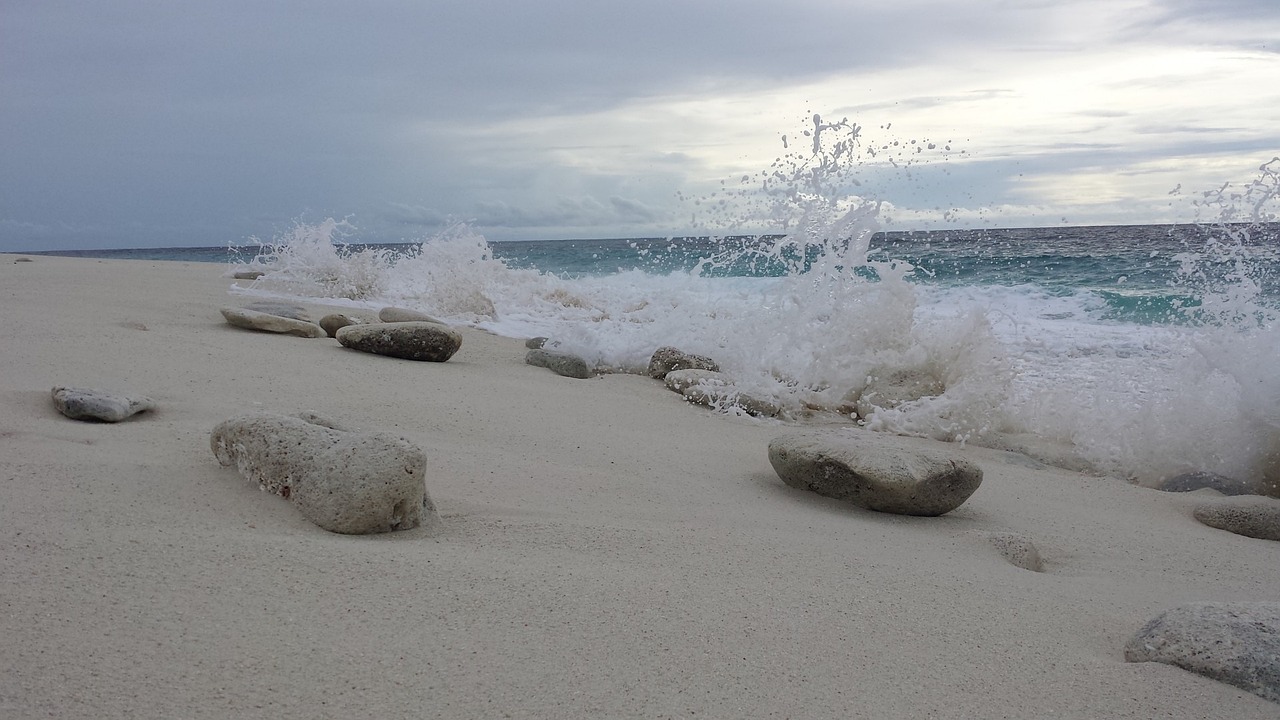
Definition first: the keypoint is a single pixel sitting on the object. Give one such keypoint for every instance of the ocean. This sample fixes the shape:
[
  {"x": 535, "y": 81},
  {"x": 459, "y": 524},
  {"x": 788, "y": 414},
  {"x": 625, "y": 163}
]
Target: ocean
[{"x": 1138, "y": 352}]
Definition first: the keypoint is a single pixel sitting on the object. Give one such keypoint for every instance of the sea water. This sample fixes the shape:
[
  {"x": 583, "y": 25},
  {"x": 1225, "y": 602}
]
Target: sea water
[{"x": 1137, "y": 351}]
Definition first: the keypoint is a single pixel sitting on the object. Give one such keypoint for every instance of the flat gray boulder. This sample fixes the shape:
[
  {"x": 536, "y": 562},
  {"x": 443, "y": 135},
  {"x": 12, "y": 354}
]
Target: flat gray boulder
[
  {"x": 665, "y": 359},
  {"x": 1199, "y": 480},
  {"x": 247, "y": 274},
  {"x": 399, "y": 314},
  {"x": 1252, "y": 516},
  {"x": 268, "y": 322},
  {"x": 1235, "y": 643},
  {"x": 875, "y": 471},
  {"x": 424, "y": 341},
  {"x": 280, "y": 309},
  {"x": 560, "y": 363},
  {"x": 345, "y": 482},
  {"x": 87, "y": 404},
  {"x": 333, "y": 322}
]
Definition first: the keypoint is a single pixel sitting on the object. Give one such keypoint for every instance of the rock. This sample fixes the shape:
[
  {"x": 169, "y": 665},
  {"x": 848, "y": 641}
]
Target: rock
[
  {"x": 1189, "y": 482},
  {"x": 266, "y": 322},
  {"x": 87, "y": 404},
  {"x": 723, "y": 396},
  {"x": 345, "y": 482},
  {"x": 247, "y": 274},
  {"x": 560, "y": 363},
  {"x": 1254, "y": 516},
  {"x": 280, "y": 309},
  {"x": 1236, "y": 643},
  {"x": 427, "y": 341},
  {"x": 334, "y": 322},
  {"x": 875, "y": 471},
  {"x": 666, "y": 359},
  {"x": 681, "y": 380},
  {"x": 397, "y": 314},
  {"x": 888, "y": 388},
  {"x": 22, "y": 260},
  {"x": 536, "y": 343},
  {"x": 1018, "y": 550}
]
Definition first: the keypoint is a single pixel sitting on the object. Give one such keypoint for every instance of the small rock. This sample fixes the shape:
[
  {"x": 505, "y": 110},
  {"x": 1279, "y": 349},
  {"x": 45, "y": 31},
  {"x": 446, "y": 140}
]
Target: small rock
[
  {"x": 247, "y": 274},
  {"x": 888, "y": 388},
  {"x": 22, "y": 260},
  {"x": 875, "y": 471},
  {"x": 87, "y": 404},
  {"x": 1018, "y": 550},
  {"x": 397, "y": 314},
  {"x": 536, "y": 343},
  {"x": 1192, "y": 481},
  {"x": 1237, "y": 643},
  {"x": 345, "y": 482},
  {"x": 427, "y": 341},
  {"x": 267, "y": 322},
  {"x": 280, "y": 309},
  {"x": 724, "y": 396},
  {"x": 334, "y": 322},
  {"x": 681, "y": 380},
  {"x": 1254, "y": 516},
  {"x": 560, "y": 363},
  {"x": 666, "y": 359}
]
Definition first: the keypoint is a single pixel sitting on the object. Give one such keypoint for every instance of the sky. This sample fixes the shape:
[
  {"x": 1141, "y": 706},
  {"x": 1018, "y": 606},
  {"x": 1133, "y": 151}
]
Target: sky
[{"x": 149, "y": 123}]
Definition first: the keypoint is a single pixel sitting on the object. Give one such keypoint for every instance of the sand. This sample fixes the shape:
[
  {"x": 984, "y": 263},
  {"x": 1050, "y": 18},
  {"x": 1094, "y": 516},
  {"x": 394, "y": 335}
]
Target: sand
[{"x": 604, "y": 550}]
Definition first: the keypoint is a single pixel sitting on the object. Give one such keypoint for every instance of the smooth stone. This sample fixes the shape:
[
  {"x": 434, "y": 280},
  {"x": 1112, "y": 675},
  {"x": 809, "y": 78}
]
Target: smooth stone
[
  {"x": 281, "y": 309},
  {"x": 1018, "y": 550},
  {"x": 266, "y": 322},
  {"x": 1192, "y": 481},
  {"x": 681, "y": 380},
  {"x": 560, "y": 363},
  {"x": 247, "y": 274},
  {"x": 345, "y": 482},
  {"x": 334, "y": 322},
  {"x": 1237, "y": 643},
  {"x": 1252, "y": 516},
  {"x": 889, "y": 388},
  {"x": 425, "y": 341},
  {"x": 726, "y": 396},
  {"x": 398, "y": 314},
  {"x": 536, "y": 343},
  {"x": 875, "y": 471},
  {"x": 665, "y": 359},
  {"x": 88, "y": 404}
]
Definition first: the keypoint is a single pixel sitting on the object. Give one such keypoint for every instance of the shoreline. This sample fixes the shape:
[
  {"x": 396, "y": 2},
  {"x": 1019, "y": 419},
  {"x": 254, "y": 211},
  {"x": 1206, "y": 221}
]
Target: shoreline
[{"x": 605, "y": 549}]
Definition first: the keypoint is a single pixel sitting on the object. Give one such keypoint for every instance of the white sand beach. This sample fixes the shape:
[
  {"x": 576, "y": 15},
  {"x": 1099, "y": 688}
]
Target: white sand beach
[{"x": 605, "y": 550}]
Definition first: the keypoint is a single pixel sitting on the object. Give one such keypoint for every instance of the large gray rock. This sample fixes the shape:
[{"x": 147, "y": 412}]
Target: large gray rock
[
  {"x": 427, "y": 341},
  {"x": 1252, "y": 516},
  {"x": 1199, "y": 480},
  {"x": 875, "y": 471},
  {"x": 247, "y": 274},
  {"x": 345, "y": 482},
  {"x": 267, "y": 322},
  {"x": 399, "y": 314},
  {"x": 333, "y": 322},
  {"x": 1234, "y": 643},
  {"x": 666, "y": 359},
  {"x": 729, "y": 396},
  {"x": 87, "y": 404},
  {"x": 560, "y": 363}
]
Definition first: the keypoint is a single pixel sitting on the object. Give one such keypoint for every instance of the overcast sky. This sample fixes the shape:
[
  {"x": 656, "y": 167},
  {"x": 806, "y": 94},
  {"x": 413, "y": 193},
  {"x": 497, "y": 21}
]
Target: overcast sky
[{"x": 135, "y": 124}]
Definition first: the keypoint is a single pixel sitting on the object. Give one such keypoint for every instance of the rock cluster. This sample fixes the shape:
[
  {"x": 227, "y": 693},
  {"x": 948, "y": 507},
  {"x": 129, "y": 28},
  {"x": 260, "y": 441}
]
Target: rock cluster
[
  {"x": 875, "y": 471},
  {"x": 1234, "y": 643},
  {"x": 87, "y": 404},
  {"x": 345, "y": 482}
]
